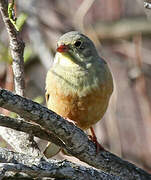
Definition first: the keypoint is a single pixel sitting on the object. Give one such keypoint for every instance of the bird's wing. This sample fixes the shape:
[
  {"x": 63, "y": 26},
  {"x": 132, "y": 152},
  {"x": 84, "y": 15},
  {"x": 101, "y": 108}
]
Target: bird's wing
[{"x": 51, "y": 149}]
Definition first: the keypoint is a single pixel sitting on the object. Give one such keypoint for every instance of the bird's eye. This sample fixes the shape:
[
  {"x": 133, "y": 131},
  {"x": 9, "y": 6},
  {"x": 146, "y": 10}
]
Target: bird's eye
[{"x": 77, "y": 43}]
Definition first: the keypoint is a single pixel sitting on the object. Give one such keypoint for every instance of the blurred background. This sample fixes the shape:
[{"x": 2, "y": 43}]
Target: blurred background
[{"x": 121, "y": 31}]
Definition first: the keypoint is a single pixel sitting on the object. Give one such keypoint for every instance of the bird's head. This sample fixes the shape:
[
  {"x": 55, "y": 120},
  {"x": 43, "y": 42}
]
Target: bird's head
[{"x": 77, "y": 48}]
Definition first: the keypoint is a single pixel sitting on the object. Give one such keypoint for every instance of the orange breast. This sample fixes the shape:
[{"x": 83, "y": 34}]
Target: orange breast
[{"x": 86, "y": 110}]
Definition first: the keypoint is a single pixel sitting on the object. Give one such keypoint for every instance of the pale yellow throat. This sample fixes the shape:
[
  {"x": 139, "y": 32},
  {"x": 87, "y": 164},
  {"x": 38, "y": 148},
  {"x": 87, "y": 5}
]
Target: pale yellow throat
[{"x": 64, "y": 59}]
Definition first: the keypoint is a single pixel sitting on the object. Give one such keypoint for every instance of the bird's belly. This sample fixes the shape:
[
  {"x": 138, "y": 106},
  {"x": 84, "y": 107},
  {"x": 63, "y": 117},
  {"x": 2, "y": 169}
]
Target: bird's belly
[{"x": 85, "y": 110}]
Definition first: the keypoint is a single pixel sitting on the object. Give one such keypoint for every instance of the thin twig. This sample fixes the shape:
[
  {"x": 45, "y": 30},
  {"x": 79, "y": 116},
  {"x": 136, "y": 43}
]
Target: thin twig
[{"x": 75, "y": 139}]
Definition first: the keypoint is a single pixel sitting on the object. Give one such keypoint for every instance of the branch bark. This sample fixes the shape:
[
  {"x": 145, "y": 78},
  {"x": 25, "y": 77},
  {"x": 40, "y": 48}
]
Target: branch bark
[
  {"x": 18, "y": 140},
  {"x": 34, "y": 129},
  {"x": 76, "y": 141},
  {"x": 17, "y": 49},
  {"x": 40, "y": 167}
]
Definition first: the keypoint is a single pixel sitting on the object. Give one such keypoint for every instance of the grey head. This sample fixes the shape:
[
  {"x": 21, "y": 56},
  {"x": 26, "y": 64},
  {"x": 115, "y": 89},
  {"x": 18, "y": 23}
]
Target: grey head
[{"x": 79, "y": 46}]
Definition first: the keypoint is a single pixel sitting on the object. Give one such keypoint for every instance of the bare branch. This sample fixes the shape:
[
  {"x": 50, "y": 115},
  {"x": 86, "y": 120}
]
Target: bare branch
[
  {"x": 18, "y": 140},
  {"x": 75, "y": 139},
  {"x": 147, "y": 5},
  {"x": 34, "y": 129},
  {"x": 40, "y": 167},
  {"x": 17, "y": 49}
]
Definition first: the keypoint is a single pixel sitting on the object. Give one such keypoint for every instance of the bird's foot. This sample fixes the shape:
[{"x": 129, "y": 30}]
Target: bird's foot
[
  {"x": 99, "y": 147},
  {"x": 93, "y": 137}
]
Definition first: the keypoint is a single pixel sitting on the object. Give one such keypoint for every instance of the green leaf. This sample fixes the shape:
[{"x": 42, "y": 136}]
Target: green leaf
[{"x": 21, "y": 20}]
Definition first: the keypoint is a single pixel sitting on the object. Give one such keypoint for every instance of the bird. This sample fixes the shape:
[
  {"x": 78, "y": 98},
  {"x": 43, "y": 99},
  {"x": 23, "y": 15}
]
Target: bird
[{"x": 79, "y": 84}]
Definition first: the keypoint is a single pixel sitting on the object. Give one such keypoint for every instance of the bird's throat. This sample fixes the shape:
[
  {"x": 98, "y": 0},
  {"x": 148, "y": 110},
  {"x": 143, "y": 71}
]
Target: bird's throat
[{"x": 65, "y": 59}]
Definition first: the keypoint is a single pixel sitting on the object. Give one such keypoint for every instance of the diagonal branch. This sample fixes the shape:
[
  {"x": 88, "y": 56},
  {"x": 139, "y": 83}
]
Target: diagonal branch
[
  {"x": 76, "y": 141},
  {"x": 40, "y": 167},
  {"x": 34, "y": 129}
]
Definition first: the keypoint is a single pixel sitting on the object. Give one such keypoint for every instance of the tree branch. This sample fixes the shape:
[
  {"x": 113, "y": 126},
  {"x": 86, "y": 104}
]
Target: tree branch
[
  {"x": 147, "y": 5},
  {"x": 40, "y": 167},
  {"x": 76, "y": 141},
  {"x": 17, "y": 49},
  {"x": 18, "y": 140},
  {"x": 34, "y": 129}
]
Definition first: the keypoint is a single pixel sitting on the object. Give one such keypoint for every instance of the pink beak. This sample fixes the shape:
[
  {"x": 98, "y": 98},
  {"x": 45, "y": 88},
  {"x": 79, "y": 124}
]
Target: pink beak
[{"x": 62, "y": 48}]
